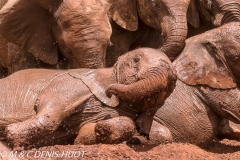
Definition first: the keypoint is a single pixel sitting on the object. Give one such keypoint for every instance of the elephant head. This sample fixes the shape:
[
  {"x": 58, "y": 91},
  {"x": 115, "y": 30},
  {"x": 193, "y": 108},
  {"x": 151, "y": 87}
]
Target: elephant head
[
  {"x": 216, "y": 12},
  {"x": 79, "y": 29},
  {"x": 145, "y": 79},
  {"x": 212, "y": 58},
  {"x": 169, "y": 17}
]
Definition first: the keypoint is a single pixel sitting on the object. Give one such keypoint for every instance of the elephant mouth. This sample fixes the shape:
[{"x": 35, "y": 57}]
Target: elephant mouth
[{"x": 156, "y": 22}]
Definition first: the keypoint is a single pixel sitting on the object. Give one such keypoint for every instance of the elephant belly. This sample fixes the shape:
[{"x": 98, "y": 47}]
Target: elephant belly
[
  {"x": 187, "y": 117},
  {"x": 19, "y": 92}
]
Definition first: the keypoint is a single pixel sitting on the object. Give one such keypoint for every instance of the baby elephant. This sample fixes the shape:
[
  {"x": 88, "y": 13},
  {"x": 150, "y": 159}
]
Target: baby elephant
[
  {"x": 39, "y": 105},
  {"x": 207, "y": 89}
]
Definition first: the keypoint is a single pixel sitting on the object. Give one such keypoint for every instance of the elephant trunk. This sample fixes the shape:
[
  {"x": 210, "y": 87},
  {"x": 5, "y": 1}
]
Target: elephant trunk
[
  {"x": 174, "y": 30},
  {"x": 231, "y": 12},
  {"x": 151, "y": 90}
]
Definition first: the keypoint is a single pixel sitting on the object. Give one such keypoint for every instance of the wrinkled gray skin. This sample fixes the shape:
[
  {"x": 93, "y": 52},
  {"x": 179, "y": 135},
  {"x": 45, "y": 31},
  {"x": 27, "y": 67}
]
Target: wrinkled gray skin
[
  {"x": 207, "y": 88},
  {"x": 209, "y": 14},
  {"x": 44, "y": 107}
]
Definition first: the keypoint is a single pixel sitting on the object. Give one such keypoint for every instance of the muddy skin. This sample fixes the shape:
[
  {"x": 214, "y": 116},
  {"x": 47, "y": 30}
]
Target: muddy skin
[
  {"x": 111, "y": 131},
  {"x": 207, "y": 89},
  {"x": 54, "y": 28},
  {"x": 54, "y": 104},
  {"x": 204, "y": 15},
  {"x": 228, "y": 129}
]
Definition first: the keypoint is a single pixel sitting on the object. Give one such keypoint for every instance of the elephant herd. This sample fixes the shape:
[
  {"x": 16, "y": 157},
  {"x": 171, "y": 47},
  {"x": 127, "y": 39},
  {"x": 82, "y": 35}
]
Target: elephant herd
[{"x": 104, "y": 71}]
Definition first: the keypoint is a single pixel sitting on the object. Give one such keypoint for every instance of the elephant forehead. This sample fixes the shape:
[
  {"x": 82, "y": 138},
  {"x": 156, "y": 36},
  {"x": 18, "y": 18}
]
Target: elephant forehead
[
  {"x": 152, "y": 54},
  {"x": 171, "y": 2},
  {"x": 69, "y": 10},
  {"x": 149, "y": 57},
  {"x": 84, "y": 5}
]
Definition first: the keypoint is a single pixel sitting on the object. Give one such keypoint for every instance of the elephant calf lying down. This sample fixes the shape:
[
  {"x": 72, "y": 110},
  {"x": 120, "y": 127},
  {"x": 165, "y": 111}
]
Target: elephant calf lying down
[
  {"x": 37, "y": 105},
  {"x": 207, "y": 88}
]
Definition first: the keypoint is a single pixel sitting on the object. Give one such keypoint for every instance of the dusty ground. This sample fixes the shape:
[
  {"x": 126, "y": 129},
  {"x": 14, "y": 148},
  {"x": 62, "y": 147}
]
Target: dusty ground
[{"x": 224, "y": 149}]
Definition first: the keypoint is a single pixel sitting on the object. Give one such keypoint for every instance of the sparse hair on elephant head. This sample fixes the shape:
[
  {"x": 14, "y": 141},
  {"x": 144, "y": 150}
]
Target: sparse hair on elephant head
[{"x": 150, "y": 78}]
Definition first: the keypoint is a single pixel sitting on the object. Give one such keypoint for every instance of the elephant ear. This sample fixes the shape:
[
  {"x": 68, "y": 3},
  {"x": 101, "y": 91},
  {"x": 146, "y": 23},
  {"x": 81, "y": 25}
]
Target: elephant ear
[
  {"x": 206, "y": 67},
  {"x": 192, "y": 14},
  {"x": 124, "y": 13},
  {"x": 27, "y": 24},
  {"x": 97, "y": 84}
]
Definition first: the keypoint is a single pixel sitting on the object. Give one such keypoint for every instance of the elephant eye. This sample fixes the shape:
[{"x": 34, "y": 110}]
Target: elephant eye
[
  {"x": 137, "y": 59},
  {"x": 154, "y": 4}
]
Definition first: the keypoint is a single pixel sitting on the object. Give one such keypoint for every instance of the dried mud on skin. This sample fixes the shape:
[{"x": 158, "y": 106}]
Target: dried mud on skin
[{"x": 224, "y": 149}]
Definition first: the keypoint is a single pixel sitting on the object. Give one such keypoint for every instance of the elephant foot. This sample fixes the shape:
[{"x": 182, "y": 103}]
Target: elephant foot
[
  {"x": 111, "y": 131},
  {"x": 4, "y": 148},
  {"x": 159, "y": 134},
  {"x": 86, "y": 134},
  {"x": 26, "y": 133},
  {"x": 115, "y": 130},
  {"x": 228, "y": 129},
  {"x": 16, "y": 136}
]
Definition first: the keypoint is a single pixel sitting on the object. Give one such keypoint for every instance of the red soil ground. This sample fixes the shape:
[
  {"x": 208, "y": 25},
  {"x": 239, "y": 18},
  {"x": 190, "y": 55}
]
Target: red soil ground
[{"x": 224, "y": 149}]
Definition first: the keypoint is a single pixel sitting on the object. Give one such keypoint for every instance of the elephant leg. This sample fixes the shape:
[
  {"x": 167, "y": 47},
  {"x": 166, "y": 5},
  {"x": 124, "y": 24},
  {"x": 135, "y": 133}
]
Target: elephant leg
[
  {"x": 86, "y": 134},
  {"x": 229, "y": 129},
  {"x": 5, "y": 151},
  {"x": 4, "y": 147},
  {"x": 111, "y": 131},
  {"x": 159, "y": 134},
  {"x": 44, "y": 123}
]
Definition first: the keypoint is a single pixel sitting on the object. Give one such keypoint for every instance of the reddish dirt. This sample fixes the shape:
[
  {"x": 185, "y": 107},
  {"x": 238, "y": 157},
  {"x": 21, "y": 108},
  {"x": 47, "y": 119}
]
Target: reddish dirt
[{"x": 224, "y": 149}]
